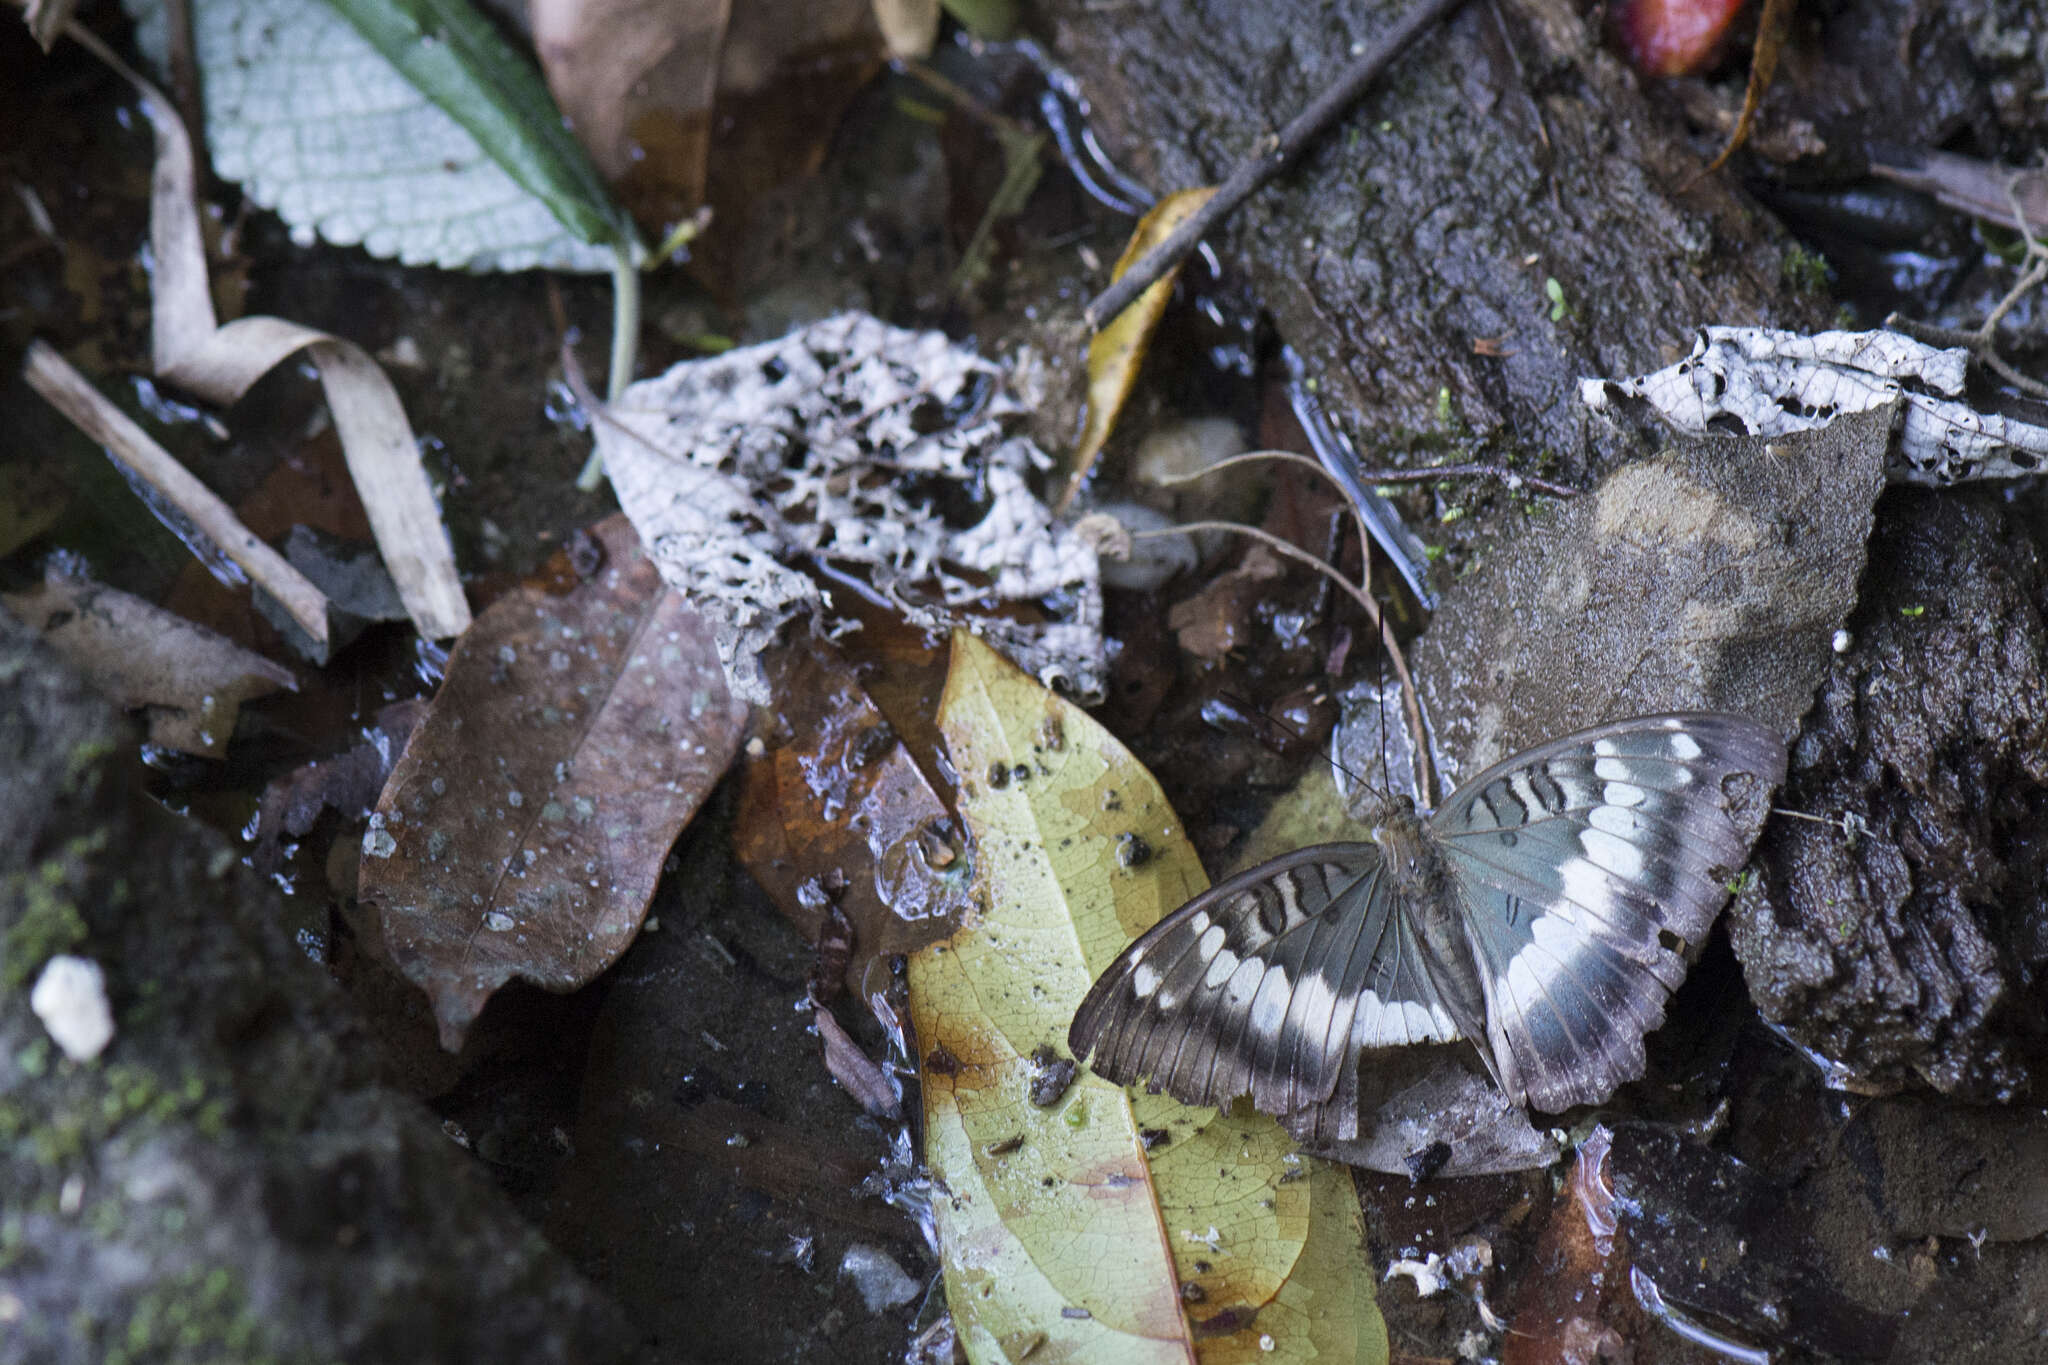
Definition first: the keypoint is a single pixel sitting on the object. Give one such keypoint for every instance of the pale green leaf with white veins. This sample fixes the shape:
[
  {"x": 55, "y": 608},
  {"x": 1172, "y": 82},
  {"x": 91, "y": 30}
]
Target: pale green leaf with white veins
[{"x": 315, "y": 124}]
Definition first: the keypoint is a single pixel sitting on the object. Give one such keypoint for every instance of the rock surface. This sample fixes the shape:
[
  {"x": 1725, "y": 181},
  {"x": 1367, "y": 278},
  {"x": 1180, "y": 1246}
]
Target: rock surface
[
  {"x": 227, "y": 1180},
  {"x": 1909, "y": 942},
  {"x": 1506, "y": 150}
]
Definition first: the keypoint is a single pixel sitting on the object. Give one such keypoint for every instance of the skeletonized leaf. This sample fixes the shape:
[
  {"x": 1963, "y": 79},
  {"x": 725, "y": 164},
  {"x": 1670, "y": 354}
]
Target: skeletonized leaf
[
  {"x": 1116, "y": 352},
  {"x": 833, "y": 442},
  {"x": 1077, "y": 1215},
  {"x": 522, "y": 831},
  {"x": 317, "y": 124}
]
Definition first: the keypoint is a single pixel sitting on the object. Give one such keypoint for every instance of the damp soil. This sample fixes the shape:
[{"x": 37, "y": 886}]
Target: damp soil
[{"x": 659, "y": 1167}]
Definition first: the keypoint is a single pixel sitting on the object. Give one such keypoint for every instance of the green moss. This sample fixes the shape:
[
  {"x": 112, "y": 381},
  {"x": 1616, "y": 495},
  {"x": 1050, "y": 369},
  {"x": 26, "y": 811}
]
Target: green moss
[
  {"x": 50, "y": 924},
  {"x": 1807, "y": 272},
  {"x": 201, "y": 1314},
  {"x": 50, "y": 921},
  {"x": 88, "y": 754},
  {"x": 101, "y": 1104}
]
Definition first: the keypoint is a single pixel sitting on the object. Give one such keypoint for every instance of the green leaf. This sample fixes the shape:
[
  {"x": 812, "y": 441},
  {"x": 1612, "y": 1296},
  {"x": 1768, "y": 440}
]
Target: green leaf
[
  {"x": 1074, "y": 1227},
  {"x": 454, "y": 57},
  {"x": 318, "y": 125}
]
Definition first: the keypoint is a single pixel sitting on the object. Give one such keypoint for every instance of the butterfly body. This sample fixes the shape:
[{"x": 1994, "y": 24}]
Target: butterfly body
[{"x": 1541, "y": 914}]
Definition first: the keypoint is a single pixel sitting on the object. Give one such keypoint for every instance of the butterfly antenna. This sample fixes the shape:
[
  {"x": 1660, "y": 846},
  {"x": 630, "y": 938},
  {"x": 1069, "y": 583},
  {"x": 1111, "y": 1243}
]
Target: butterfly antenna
[
  {"x": 1243, "y": 712},
  {"x": 1379, "y": 688}
]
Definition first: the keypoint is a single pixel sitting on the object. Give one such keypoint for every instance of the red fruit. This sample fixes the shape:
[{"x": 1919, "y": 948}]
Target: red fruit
[{"x": 1674, "y": 37}]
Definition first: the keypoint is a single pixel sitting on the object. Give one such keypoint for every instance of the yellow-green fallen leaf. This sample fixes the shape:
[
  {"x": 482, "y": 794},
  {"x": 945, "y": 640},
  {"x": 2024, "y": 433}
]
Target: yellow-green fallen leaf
[
  {"x": 1103, "y": 1225},
  {"x": 1117, "y": 351}
]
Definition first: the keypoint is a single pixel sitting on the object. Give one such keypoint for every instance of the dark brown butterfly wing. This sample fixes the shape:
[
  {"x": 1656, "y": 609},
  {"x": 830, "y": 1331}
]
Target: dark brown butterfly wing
[
  {"x": 1268, "y": 985},
  {"x": 1586, "y": 866}
]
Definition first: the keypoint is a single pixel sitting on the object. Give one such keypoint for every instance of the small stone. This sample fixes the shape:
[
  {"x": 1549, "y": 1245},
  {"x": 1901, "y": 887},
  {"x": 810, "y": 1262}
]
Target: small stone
[
  {"x": 881, "y": 1282},
  {"x": 70, "y": 997}
]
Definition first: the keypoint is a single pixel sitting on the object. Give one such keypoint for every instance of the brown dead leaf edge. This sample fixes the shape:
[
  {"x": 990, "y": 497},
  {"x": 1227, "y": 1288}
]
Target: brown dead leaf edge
[{"x": 524, "y": 828}]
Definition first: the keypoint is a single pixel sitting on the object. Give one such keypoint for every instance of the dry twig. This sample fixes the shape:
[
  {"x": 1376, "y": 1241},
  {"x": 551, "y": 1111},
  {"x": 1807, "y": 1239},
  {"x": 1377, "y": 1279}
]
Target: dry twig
[{"x": 1982, "y": 341}]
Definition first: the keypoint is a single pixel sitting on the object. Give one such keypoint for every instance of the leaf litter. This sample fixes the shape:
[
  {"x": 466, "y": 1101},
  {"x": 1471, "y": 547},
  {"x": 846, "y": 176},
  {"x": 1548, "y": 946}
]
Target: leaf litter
[
  {"x": 190, "y": 682},
  {"x": 1760, "y": 382},
  {"x": 837, "y": 819},
  {"x": 1105, "y": 1224},
  {"x": 191, "y": 349},
  {"x": 522, "y": 832},
  {"x": 850, "y": 442}
]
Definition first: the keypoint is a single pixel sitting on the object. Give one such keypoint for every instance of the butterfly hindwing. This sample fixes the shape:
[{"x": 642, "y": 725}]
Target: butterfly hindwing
[
  {"x": 1586, "y": 866},
  {"x": 1267, "y": 985}
]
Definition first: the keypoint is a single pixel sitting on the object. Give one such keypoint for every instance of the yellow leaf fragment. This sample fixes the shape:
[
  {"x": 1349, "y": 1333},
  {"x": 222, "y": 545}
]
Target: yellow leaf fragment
[
  {"x": 1116, "y": 352},
  {"x": 1101, "y": 1225}
]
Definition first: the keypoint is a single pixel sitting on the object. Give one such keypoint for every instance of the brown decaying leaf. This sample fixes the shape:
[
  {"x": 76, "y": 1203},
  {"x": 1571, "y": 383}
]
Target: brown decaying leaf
[
  {"x": 612, "y": 63},
  {"x": 840, "y": 792},
  {"x": 702, "y": 101},
  {"x": 522, "y": 832},
  {"x": 1218, "y": 619},
  {"x": 1564, "y": 1314},
  {"x": 349, "y": 782},
  {"x": 191, "y": 682},
  {"x": 854, "y": 1069},
  {"x": 1118, "y": 350}
]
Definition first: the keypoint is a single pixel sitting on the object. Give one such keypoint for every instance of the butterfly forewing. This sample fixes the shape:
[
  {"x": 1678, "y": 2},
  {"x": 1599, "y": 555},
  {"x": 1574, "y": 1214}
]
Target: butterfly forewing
[
  {"x": 1587, "y": 865},
  {"x": 1578, "y": 871}
]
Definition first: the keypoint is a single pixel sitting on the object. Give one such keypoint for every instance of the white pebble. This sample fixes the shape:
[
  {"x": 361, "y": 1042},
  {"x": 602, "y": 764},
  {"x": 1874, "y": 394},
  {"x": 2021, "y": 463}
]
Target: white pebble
[
  {"x": 70, "y": 997},
  {"x": 882, "y": 1283}
]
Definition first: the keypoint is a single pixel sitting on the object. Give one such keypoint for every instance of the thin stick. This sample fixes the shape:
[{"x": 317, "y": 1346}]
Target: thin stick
[
  {"x": 1410, "y": 700},
  {"x": 1982, "y": 342},
  {"x": 1287, "y": 457},
  {"x": 92, "y": 412},
  {"x": 1432, "y": 473},
  {"x": 1273, "y": 156}
]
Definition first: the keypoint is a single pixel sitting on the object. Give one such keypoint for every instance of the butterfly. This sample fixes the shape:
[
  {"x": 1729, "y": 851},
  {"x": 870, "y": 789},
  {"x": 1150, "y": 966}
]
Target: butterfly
[{"x": 1541, "y": 913}]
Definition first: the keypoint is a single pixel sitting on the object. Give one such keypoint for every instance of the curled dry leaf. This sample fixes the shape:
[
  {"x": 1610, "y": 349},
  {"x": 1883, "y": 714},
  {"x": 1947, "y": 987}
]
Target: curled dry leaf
[
  {"x": 523, "y": 830},
  {"x": 191, "y": 682},
  {"x": 1095, "y": 1223},
  {"x": 1116, "y": 352},
  {"x": 220, "y": 363},
  {"x": 840, "y": 794}
]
